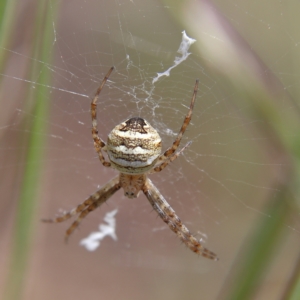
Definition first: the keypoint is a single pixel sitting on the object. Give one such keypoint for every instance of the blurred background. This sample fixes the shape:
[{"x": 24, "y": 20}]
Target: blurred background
[{"x": 236, "y": 187}]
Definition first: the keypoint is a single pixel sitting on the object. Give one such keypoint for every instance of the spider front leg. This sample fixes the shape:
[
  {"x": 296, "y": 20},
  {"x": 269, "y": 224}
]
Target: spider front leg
[
  {"x": 170, "y": 159},
  {"x": 169, "y": 216},
  {"x": 185, "y": 124},
  {"x": 88, "y": 205},
  {"x": 98, "y": 142}
]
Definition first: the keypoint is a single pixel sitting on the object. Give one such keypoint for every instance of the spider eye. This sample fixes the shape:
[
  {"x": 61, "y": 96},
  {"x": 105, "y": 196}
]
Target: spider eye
[{"x": 130, "y": 195}]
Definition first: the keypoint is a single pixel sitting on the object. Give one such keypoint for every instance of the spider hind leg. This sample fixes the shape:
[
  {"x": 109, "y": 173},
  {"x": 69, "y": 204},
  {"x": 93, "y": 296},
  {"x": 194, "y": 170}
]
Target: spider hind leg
[
  {"x": 88, "y": 205},
  {"x": 168, "y": 215}
]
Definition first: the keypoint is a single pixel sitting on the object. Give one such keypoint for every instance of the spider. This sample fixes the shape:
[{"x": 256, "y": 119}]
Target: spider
[{"x": 134, "y": 149}]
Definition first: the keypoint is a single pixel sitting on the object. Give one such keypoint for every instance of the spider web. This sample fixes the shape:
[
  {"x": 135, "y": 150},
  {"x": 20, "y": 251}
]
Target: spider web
[{"x": 221, "y": 184}]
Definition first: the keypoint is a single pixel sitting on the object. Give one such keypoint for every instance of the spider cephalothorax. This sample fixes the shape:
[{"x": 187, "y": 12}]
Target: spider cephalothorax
[{"x": 134, "y": 149}]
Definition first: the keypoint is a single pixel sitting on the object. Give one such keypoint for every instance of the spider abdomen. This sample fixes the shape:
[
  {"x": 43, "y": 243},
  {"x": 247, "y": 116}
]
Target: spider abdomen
[{"x": 133, "y": 146}]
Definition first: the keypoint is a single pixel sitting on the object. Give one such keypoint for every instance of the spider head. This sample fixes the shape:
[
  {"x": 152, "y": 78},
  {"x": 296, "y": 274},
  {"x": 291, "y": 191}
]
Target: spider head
[
  {"x": 132, "y": 184},
  {"x": 131, "y": 193},
  {"x": 133, "y": 146}
]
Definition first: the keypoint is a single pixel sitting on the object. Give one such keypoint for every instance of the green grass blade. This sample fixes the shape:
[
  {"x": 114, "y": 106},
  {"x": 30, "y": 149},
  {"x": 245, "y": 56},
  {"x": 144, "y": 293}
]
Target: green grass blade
[
  {"x": 292, "y": 291},
  {"x": 7, "y": 17},
  {"x": 23, "y": 234},
  {"x": 259, "y": 251}
]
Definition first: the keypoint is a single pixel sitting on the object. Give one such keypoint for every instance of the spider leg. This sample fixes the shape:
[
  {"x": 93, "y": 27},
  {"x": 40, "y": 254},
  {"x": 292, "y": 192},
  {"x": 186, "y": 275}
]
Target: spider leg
[
  {"x": 88, "y": 205},
  {"x": 97, "y": 199},
  {"x": 169, "y": 216},
  {"x": 185, "y": 124},
  {"x": 170, "y": 159},
  {"x": 72, "y": 212},
  {"x": 98, "y": 142}
]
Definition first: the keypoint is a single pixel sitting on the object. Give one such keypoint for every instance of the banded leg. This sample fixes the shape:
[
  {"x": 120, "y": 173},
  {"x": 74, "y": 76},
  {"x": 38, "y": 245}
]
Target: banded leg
[
  {"x": 88, "y": 205},
  {"x": 162, "y": 165},
  {"x": 72, "y": 212},
  {"x": 169, "y": 216},
  {"x": 98, "y": 198},
  {"x": 185, "y": 124},
  {"x": 98, "y": 142}
]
